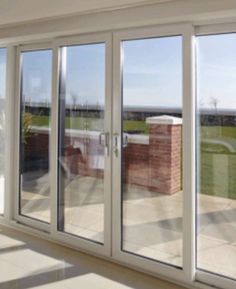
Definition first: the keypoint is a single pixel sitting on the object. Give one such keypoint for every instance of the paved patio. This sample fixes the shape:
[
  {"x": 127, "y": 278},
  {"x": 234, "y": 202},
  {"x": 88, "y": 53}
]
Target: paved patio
[{"x": 152, "y": 222}]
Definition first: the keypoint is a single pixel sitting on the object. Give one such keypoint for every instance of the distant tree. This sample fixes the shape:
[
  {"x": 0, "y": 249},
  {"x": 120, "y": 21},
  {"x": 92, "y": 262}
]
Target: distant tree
[
  {"x": 74, "y": 98},
  {"x": 214, "y": 103}
]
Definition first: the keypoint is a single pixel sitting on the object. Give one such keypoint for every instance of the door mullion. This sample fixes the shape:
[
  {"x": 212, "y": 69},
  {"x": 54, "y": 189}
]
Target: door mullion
[
  {"x": 189, "y": 166},
  {"x": 54, "y": 139}
]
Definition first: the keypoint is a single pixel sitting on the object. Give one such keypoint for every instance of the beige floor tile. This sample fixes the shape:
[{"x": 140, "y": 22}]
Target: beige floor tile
[
  {"x": 31, "y": 260},
  {"x": 8, "y": 242},
  {"x": 147, "y": 252},
  {"x": 138, "y": 214},
  {"x": 87, "y": 281},
  {"x": 10, "y": 272},
  {"x": 205, "y": 242},
  {"x": 44, "y": 265},
  {"x": 220, "y": 260},
  {"x": 152, "y": 223},
  {"x": 56, "y": 285},
  {"x": 170, "y": 247}
]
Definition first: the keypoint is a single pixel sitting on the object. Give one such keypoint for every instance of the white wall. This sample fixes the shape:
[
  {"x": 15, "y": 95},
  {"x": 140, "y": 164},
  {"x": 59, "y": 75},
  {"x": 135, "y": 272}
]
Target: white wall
[
  {"x": 196, "y": 11},
  {"x": 12, "y": 11}
]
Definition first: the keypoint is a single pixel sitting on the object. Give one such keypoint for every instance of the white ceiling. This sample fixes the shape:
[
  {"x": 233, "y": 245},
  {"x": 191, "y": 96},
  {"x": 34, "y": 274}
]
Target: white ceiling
[{"x": 13, "y": 11}]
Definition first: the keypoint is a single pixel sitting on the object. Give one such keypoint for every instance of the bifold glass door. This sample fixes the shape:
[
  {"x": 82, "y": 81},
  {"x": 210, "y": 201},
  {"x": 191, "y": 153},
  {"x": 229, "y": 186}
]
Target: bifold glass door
[
  {"x": 87, "y": 145},
  {"x": 72, "y": 137},
  {"x": 83, "y": 141},
  {"x": 107, "y": 144},
  {"x": 35, "y": 117},
  {"x": 216, "y": 147},
  {"x": 153, "y": 188},
  {"x": 151, "y": 167}
]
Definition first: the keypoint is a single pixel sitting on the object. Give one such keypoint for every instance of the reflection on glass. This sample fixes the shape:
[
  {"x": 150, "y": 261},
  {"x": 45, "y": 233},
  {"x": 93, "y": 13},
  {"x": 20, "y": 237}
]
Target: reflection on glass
[
  {"x": 36, "y": 67},
  {"x": 3, "y": 59},
  {"x": 216, "y": 70},
  {"x": 81, "y": 142},
  {"x": 152, "y": 142}
]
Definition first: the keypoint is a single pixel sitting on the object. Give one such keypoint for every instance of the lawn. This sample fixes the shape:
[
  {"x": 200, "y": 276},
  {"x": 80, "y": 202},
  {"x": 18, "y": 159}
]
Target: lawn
[
  {"x": 91, "y": 123},
  {"x": 217, "y": 163}
]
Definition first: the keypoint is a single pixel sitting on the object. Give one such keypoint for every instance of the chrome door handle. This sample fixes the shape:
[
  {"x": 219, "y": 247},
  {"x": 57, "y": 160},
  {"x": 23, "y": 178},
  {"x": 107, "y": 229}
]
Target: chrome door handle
[
  {"x": 116, "y": 144},
  {"x": 106, "y": 142},
  {"x": 125, "y": 140}
]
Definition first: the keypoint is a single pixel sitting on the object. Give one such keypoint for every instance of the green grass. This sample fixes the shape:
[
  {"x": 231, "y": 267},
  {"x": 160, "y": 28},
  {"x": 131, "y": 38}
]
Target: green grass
[
  {"x": 217, "y": 164},
  {"x": 223, "y": 131},
  {"x": 135, "y": 125},
  {"x": 39, "y": 120},
  {"x": 91, "y": 123}
]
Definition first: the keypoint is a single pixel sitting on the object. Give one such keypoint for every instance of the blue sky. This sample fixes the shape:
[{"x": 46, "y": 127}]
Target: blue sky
[
  {"x": 37, "y": 68},
  {"x": 2, "y": 72},
  {"x": 152, "y": 72},
  {"x": 216, "y": 61},
  {"x": 85, "y": 83}
]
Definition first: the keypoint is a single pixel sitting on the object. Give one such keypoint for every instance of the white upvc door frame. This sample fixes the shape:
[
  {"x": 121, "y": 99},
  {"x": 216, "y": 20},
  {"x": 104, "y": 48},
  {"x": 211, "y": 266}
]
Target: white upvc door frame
[
  {"x": 76, "y": 241},
  {"x": 187, "y": 274},
  {"x": 203, "y": 276},
  {"x": 8, "y": 144},
  {"x": 5, "y": 214},
  {"x": 31, "y": 222}
]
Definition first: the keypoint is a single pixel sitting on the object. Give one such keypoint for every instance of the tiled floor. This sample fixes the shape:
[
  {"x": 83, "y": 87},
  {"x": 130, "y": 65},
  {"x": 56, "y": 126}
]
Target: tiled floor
[
  {"x": 28, "y": 262},
  {"x": 152, "y": 223}
]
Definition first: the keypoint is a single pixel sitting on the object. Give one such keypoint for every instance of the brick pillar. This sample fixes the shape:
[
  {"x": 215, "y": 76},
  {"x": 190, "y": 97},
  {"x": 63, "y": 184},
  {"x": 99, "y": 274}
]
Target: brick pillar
[{"x": 165, "y": 145}]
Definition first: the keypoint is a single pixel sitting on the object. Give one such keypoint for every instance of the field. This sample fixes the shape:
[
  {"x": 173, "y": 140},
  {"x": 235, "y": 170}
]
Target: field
[
  {"x": 91, "y": 123},
  {"x": 217, "y": 163}
]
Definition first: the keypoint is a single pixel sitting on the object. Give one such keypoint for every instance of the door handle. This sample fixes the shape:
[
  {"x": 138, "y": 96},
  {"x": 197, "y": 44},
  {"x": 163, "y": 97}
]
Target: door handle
[
  {"x": 116, "y": 144},
  {"x": 125, "y": 140},
  {"x": 106, "y": 142},
  {"x": 116, "y": 139}
]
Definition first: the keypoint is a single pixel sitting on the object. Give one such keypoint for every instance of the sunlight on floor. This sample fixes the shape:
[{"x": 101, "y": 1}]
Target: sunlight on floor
[
  {"x": 152, "y": 223},
  {"x": 28, "y": 262}
]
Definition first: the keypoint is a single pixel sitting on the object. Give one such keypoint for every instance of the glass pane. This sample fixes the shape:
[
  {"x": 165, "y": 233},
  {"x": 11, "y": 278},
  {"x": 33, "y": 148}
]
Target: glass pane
[
  {"x": 152, "y": 146},
  {"x": 3, "y": 60},
  {"x": 81, "y": 143},
  {"x": 36, "y": 70},
  {"x": 216, "y": 74}
]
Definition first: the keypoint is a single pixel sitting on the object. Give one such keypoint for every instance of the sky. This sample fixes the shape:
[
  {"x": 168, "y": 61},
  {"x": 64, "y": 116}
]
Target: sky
[
  {"x": 3, "y": 56},
  {"x": 152, "y": 73},
  {"x": 37, "y": 76},
  {"x": 85, "y": 74},
  {"x": 216, "y": 71}
]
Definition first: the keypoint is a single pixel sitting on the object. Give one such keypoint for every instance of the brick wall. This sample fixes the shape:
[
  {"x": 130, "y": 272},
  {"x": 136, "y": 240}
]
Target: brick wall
[
  {"x": 152, "y": 162},
  {"x": 165, "y": 153},
  {"x": 165, "y": 158},
  {"x": 136, "y": 164}
]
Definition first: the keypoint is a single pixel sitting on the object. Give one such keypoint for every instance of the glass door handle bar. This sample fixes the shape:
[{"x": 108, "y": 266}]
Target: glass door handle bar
[
  {"x": 106, "y": 141},
  {"x": 116, "y": 144},
  {"x": 125, "y": 140}
]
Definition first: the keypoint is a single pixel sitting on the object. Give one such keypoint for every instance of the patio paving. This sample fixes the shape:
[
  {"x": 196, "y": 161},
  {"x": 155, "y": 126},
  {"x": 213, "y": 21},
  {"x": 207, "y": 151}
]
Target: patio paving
[{"x": 152, "y": 222}]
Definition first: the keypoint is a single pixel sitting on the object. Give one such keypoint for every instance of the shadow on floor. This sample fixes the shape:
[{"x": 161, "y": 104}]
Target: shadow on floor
[{"x": 72, "y": 266}]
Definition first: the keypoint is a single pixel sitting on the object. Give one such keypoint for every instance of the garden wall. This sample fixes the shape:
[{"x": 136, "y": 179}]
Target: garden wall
[{"x": 151, "y": 161}]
